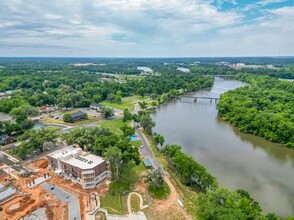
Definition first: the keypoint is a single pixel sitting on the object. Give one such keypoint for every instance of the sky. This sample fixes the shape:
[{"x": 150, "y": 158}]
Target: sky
[{"x": 146, "y": 28}]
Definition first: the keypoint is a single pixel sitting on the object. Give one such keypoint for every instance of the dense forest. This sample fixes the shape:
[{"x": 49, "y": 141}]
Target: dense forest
[
  {"x": 264, "y": 108},
  {"x": 79, "y": 89}
]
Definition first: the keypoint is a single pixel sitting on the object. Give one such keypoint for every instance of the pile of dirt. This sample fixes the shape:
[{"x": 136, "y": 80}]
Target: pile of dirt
[
  {"x": 42, "y": 163},
  {"x": 23, "y": 204}
]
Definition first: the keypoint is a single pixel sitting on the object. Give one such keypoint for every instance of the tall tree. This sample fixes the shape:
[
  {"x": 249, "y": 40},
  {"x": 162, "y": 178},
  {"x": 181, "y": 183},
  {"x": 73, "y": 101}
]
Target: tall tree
[{"x": 114, "y": 155}]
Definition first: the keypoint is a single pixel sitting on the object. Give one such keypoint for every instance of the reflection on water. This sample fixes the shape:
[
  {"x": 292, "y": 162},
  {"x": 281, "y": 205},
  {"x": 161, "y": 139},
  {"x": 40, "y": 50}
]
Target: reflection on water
[{"x": 238, "y": 160}]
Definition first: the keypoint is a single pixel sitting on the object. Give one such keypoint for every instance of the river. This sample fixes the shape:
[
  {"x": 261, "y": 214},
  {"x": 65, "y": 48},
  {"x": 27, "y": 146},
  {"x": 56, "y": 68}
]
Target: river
[{"x": 237, "y": 160}]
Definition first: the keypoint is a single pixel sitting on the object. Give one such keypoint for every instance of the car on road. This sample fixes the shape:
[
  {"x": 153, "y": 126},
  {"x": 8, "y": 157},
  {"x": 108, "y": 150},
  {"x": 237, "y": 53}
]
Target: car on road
[
  {"x": 47, "y": 148},
  {"x": 142, "y": 146}
]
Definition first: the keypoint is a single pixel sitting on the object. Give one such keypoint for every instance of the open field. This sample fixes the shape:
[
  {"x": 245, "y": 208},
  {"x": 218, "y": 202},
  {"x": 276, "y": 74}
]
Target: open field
[
  {"x": 127, "y": 102},
  {"x": 112, "y": 125}
]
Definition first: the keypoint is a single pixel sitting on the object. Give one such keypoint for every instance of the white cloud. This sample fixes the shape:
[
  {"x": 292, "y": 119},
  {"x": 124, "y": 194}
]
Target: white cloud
[
  {"x": 140, "y": 28},
  {"x": 269, "y": 2}
]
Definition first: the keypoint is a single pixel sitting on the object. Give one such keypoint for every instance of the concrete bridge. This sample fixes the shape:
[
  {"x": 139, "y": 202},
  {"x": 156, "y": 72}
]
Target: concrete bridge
[
  {"x": 195, "y": 98},
  {"x": 224, "y": 76}
]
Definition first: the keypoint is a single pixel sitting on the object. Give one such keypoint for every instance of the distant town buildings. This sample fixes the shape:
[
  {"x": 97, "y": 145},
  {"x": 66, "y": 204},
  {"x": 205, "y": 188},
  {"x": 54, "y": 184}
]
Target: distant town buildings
[
  {"x": 78, "y": 166},
  {"x": 243, "y": 66}
]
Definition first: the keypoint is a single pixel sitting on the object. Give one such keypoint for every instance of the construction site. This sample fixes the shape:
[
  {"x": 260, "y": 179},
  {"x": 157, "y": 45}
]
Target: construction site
[{"x": 34, "y": 192}]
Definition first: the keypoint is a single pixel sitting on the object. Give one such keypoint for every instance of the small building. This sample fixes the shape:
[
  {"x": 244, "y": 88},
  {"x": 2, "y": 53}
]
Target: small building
[
  {"x": 147, "y": 163},
  {"x": 77, "y": 116},
  {"x": 97, "y": 107},
  {"x": 78, "y": 166},
  {"x": 43, "y": 109},
  {"x": 5, "y": 139}
]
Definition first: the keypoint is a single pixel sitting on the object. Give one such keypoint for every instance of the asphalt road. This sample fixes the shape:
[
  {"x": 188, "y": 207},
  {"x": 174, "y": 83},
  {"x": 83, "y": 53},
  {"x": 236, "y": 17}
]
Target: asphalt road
[{"x": 146, "y": 151}]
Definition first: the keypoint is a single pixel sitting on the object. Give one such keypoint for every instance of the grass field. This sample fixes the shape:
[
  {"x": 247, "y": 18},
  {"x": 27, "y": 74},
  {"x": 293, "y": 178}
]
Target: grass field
[
  {"x": 115, "y": 200},
  {"x": 159, "y": 193},
  {"x": 127, "y": 102},
  {"x": 135, "y": 203},
  {"x": 53, "y": 128},
  {"x": 112, "y": 125}
]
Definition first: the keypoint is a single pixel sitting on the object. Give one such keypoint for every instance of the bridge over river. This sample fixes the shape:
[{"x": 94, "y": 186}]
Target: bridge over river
[{"x": 195, "y": 98}]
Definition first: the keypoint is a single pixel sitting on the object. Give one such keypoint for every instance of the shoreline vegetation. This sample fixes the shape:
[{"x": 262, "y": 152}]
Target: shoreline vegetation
[
  {"x": 34, "y": 84},
  {"x": 265, "y": 108}
]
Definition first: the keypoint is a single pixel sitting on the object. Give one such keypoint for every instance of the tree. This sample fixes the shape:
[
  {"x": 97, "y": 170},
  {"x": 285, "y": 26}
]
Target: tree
[
  {"x": 155, "y": 179},
  {"x": 226, "y": 204},
  {"x": 164, "y": 97},
  {"x": 127, "y": 130},
  {"x": 67, "y": 118},
  {"x": 114, "y": 155},
  {"x": 147, "y": 123},
  {"x": 141, "y": 91},
  {"x": 107, "y": 112},
  {"x": 127, "y": 115},
  {"x": 21, "y": 113},
  {"x": 35, "y": 139},
  {"x": 143, "y": 105},
  {"x": 111, "y": 98},
  {"x": 158, "y": 139}
]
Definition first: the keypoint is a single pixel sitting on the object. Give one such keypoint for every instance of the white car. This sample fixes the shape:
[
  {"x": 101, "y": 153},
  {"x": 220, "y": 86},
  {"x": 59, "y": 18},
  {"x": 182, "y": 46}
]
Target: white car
[{"x": 141, "y": 146}]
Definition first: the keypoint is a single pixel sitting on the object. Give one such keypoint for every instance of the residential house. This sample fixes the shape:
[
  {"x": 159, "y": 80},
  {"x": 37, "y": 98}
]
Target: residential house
[
  {"x": 77, "y": 116},
  {"x": 5, "y": 139},
  {"x": 97, "y": 107}
]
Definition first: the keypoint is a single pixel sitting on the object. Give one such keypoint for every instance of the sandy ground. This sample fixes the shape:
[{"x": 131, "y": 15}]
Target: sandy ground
[
  {"x": 170, "y": 207},
  {"x": 55, "y": 209},
  {"x": 161, "y": 209}
]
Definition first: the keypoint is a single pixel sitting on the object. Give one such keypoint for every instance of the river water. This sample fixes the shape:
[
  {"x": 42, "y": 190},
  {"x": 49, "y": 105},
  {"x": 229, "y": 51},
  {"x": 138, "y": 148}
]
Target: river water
[{"x": 237, "y": 160}]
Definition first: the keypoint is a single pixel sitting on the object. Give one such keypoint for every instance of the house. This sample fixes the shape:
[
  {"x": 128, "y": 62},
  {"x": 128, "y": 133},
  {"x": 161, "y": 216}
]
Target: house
[
  {"x": 43, "y": 109},
  {"x": 77, "y": 116},
  {"x": 78, "y": 166},
  {"x": 5, "y": 139},
  {"x": 97, "y": 107}
]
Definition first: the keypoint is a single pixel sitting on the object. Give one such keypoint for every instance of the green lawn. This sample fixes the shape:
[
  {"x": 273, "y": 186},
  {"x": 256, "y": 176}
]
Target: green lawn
[
  {"x": 159, "y": 193},
  {"x": 135, "y": 203},
  {"x": 137, "y": 143},
  {"x": 115, "y": 200},
  {"x": 53, "y": 128},
  {"x": 127, "y": 102},
  {"x": 112, "y": 125}
]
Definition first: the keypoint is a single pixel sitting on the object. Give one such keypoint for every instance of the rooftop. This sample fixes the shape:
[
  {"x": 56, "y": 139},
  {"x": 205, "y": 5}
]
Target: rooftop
[
  {"x": 96, "y": 105},
  {"x": 86, "y": 161},
  {"x": 77, "y": 114},
  {"x": 76, "y": 157}
]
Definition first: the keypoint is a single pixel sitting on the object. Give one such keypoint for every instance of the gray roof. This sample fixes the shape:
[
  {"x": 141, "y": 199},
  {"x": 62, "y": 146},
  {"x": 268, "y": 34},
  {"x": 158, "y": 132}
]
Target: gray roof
[
  {"x": 7, "y": 193},
  {"x": 96, "y": 105},
  {"x": 73, "y": 202},
  {"x": 77, "y": 114}
]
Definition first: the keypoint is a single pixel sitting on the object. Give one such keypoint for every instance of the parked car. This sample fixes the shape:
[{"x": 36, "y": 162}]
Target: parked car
[
  {"x": 47, "y": 148},
  {"x": 141, "y": 146},
  {"x": 36, "y": 152}
]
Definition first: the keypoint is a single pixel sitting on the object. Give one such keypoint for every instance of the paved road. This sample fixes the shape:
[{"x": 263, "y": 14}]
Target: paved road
[{"x": 146, "y": 151}]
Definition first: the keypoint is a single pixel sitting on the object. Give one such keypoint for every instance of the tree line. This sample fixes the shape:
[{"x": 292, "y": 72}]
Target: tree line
[{"x": 264, "y": 108}]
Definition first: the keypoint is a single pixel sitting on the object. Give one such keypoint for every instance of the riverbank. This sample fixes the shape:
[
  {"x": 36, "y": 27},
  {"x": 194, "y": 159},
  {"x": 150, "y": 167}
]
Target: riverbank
[{"x": 237, "y": 160}]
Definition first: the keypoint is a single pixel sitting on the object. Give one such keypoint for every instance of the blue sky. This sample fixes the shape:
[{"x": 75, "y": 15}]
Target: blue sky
[{"x": 146, "y": 28}]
